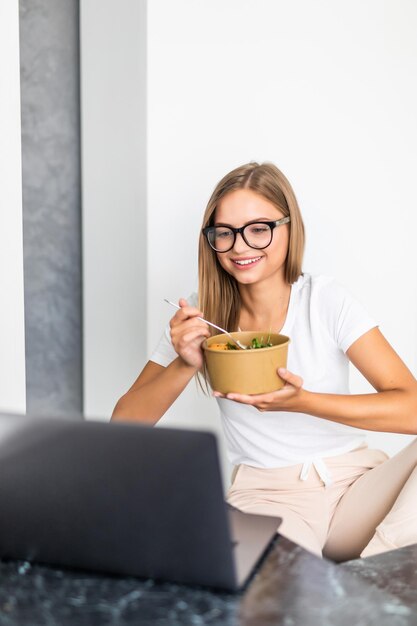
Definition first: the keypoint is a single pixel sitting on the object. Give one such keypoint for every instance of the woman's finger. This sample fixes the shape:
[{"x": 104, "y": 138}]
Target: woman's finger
[
  {"x": 194, "y": 334},
  {"x": 190, "y": 325},
  {"x": 243, "y": 398},
  {"x": 290, "y": 378},
  {"x": 183, "y": 315}
]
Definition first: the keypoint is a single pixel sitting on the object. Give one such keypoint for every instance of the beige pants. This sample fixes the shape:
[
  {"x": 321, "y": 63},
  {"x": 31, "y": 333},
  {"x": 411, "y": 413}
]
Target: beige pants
[{"x": 369, "y": 507}]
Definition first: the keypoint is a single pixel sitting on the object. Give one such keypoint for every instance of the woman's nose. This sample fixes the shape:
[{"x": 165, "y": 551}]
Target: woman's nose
[{"x": 240, "y": 244}]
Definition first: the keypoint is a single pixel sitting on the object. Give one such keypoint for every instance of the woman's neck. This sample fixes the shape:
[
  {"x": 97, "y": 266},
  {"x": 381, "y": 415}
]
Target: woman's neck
[{"x": 264, "y": 307}]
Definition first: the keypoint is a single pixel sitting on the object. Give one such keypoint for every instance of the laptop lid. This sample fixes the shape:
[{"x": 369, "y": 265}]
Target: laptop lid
[{"x": 117, "y": 498}]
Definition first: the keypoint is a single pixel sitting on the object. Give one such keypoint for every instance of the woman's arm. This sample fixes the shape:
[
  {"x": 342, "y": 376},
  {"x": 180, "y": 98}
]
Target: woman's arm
[
  {"x": 157, "y": 387},
  {"x": 153, "y": 392},
  {"x": 392, "y": 409}
]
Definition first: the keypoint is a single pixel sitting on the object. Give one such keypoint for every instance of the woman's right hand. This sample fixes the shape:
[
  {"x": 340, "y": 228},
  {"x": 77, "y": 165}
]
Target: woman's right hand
[{"x": 188, "y": 333}]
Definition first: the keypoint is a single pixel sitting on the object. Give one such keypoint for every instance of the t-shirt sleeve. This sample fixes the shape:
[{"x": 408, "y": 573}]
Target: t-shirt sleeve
[
  {"x": 346, "y": 318},
  {"x": 164, "y": 352}
]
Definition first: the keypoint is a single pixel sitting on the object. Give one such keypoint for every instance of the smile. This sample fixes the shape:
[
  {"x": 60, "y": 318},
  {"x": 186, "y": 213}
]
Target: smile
[{"x": 245, "y": 262}]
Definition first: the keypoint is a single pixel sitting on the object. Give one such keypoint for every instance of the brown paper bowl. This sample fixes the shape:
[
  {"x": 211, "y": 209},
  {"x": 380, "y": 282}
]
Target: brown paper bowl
[{"x": 246, "y": 371}]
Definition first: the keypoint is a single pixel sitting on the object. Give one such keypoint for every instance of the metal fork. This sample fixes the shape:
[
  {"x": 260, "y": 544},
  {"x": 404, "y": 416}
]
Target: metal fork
[{"x": 241, "y": 346}]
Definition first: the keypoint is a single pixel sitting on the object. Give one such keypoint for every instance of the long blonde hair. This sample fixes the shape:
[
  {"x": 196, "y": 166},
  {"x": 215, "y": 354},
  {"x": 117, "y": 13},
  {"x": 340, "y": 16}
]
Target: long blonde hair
[{"x": 218, "y": 293}]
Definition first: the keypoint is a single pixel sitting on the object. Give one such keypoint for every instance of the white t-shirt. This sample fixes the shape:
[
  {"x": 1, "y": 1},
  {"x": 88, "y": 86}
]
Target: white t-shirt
[{"x": 323, "y": 320}]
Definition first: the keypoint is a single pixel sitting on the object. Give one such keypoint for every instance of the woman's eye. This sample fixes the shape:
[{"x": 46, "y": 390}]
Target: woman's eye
[
  {"x": 224, "y": 234},
  {"x": 259, "y": 229}
]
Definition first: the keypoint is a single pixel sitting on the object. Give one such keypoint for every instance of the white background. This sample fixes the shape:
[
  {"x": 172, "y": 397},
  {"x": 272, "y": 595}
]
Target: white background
[
  {"x": 113, "y": 122},
  {"x": 12, "y": 342},
  {"x": 326, "y": 90}
]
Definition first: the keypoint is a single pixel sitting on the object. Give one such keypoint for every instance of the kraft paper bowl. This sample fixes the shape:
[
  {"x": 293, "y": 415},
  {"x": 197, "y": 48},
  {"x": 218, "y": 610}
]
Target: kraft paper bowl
[{"x": 246, "y": 371}]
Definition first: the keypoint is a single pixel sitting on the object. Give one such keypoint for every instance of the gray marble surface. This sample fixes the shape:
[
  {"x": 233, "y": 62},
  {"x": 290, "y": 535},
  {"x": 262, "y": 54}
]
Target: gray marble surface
[
  {"x": 292, "y": 587},
  {"x": 394, "y": 572}
]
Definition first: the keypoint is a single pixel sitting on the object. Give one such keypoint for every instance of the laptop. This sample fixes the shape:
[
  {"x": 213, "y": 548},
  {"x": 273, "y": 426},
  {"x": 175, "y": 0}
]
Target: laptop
[{"x": 124, "y": 499}]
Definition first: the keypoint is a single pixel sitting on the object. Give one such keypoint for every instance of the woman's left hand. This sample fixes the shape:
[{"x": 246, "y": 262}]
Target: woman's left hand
[{"x": 286, "y": 399}]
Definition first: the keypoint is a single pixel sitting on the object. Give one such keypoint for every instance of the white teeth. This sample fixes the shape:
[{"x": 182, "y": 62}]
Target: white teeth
[{"x": 248, "y": 261}]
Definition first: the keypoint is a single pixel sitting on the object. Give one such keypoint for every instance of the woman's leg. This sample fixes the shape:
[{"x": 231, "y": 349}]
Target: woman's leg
[
  {"x": 280, "y": 493},
  {"x": 399, "y": 527},
  {"x": 293, "y": 526},
  {"x": 379, "y": 510}
]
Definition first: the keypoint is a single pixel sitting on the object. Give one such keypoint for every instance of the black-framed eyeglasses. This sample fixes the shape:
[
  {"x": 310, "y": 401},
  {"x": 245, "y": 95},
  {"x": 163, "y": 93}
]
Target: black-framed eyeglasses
[{"x": 258, "y": 235}]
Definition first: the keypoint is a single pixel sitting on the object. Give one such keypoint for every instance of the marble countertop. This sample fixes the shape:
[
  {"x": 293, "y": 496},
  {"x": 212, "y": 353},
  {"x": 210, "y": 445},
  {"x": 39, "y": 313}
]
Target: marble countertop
[{"x": 292, "y": 587}]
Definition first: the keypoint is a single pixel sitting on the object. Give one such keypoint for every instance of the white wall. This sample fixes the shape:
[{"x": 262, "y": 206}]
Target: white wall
[
  {"x": 326, "y": 91},
  {"x": 113, "y": 73},
  {"x": 12, "y": 340}
]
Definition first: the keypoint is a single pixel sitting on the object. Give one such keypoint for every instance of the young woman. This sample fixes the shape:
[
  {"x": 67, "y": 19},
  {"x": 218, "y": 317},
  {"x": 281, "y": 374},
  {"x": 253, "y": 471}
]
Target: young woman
[{"x": 299, "y": 453}]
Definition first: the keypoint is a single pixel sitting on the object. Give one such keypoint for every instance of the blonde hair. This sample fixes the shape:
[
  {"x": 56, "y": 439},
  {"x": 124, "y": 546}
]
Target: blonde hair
[{"x": 219, "y": 297}]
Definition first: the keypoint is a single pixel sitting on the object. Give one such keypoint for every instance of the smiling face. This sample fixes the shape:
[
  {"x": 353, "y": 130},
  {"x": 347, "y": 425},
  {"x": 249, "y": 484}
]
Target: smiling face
[{"x": 247, "y": 265}]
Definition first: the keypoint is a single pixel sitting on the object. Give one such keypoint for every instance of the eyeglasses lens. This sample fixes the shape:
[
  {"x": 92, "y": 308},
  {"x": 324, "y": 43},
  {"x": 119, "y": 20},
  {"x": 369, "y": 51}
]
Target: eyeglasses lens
[
  {"x": 257, "y": 235},
  {"x": 221, "y": 239}
]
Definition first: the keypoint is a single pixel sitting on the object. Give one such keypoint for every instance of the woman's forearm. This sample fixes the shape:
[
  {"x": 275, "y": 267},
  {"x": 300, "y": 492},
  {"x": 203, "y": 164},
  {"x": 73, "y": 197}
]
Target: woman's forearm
[
  {"x": 388, "y": 411},
  {"x": 148, "y": 402}
]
